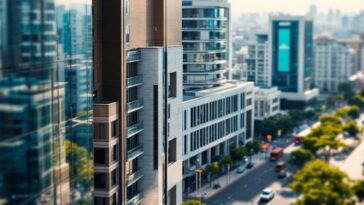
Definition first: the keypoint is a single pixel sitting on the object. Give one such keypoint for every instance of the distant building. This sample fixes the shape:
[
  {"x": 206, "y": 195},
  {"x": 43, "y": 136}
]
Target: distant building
[
  {"x": 291, "y": 55},
  {"x": 266, "y": 102},
  {"x": 215, "y": 121},
  {"x": 206, "y": 43},
  {"x": 38, "y": 166},
  {"x": 258, "y": 61},
  {"x": 334, "y": 63}
]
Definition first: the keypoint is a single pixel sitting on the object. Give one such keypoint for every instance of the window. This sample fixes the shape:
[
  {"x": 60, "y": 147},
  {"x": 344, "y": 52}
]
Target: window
[
  {"x": 100, "y": 180},
  {"x": 114, "y": 177},
  {"x": 100, "y": 201},
  {"x": 172, "y": 87},
  {"x": 127, "y": 33},
  {"x": 99, "y": 156},
  {"x": 172, "y": 151}
]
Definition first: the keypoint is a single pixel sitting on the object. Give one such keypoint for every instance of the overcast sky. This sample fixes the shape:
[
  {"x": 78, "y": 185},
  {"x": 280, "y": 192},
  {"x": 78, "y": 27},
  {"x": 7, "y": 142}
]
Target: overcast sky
[
  {"x": 294, "y": 6},
  {"x": 287, "y": 6}
]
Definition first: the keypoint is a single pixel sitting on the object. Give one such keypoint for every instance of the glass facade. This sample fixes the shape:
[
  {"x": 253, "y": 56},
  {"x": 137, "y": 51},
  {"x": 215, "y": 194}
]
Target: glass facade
[
  {"x": 285, "y": 35},
  {"x": 46, "y": 102}
]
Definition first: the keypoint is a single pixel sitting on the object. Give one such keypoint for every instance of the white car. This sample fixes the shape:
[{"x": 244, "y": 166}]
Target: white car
[{"x": 267, "y": 194}]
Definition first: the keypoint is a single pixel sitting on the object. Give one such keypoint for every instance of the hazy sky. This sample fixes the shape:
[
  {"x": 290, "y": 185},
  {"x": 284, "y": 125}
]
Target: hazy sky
[{"x": 294, "y": 6}]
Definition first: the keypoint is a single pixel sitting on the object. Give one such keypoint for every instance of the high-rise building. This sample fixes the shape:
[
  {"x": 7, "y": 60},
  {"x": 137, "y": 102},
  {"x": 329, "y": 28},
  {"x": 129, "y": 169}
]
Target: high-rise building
[
  {"x": 32, "y": 165},
  {"x": 206, "y": 43},
  {"x": 258, "y": 61},
  {"x": 138, "y": 87},
  {"x": 334, "y": 64},
  {"x": 43, "y": 164},
  {"x": 291, "y": 56}
]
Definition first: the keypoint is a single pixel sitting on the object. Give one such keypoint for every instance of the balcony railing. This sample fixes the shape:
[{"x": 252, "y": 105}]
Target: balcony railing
[
  {"x": 135, "y": 129},
  {"x": 135, "y": 105},
  {"x": 134, "y": 152},
  {"x": 132, "y": 56},
  {"x": 135, "y": 200},
  {"x": 132, "y": 178},
  {"x": 134, "y": 81}
]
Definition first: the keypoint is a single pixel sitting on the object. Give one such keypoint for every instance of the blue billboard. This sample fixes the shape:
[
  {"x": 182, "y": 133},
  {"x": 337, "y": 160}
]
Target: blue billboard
[{"x": 284, "y": 47}]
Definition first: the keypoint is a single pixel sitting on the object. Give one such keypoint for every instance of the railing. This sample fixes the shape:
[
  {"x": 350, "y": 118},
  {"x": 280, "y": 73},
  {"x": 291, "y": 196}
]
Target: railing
[
  {"x": 134, "y": 105},
  {"x": 133, "y": 56},
  {"x": 132, "y": 178},
  {"x": 135, "y": 80},
  {"x": 134, "y": 152},
  {"x": 135, "y": 128},
  {"x": 135, "y": 199}
]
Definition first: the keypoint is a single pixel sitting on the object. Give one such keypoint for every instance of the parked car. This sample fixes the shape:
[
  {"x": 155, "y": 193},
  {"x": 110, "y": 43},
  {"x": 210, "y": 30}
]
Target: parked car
[
  {"x": 282, "y": 174},
  {"x": 241, "y": 169},
  {"x": 267, "y": 194},
  {"x": 249, "y": 165}
]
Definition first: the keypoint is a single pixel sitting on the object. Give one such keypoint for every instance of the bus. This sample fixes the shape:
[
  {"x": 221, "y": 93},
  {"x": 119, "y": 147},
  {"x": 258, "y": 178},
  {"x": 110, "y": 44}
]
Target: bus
[{"x": 276, "y": 154}]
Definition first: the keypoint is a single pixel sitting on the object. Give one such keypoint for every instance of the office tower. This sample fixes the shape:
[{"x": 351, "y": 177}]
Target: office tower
[
  {"x": 258, "y": 61},
  {"x": 77, "y": 30},
  {"x": 35, "y": 169},
  {"x": 137, "y": 81},
  {"x": 50, "y": 168},
  {"x": 215, "y": 121},
  {"x": 291, "y": 56},
  {"x": 334, "y": 64},
  {"x": 206, "y": 43}
]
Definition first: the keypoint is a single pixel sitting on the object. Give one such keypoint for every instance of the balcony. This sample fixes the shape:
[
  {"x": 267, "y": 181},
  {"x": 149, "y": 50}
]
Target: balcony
[
  {"x": 132, "y": 178},
  {"x": 134, "y": 81},
  {"x": 134, "y": 152},
  {"x": 135, "y": 199},
  {"x": 135, "y": 105},
  {"x": 135, "y": 129},
  {"x": 133, "y": 56}
]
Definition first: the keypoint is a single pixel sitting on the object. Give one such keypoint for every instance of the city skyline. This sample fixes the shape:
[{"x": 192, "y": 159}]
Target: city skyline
[{"x": 295, "y": 7}]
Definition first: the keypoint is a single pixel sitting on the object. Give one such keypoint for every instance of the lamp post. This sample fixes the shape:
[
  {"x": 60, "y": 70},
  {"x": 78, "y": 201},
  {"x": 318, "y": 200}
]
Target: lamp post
[{"x": 198, "y": 172}]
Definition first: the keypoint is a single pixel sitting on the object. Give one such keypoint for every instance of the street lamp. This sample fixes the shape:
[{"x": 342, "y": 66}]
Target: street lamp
[{"x": 198, "y": 172}]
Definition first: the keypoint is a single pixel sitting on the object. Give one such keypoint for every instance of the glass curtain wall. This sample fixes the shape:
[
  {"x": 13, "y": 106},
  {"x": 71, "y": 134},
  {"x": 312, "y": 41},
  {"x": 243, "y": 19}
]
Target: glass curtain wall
[{"x": 46, "y": 102}]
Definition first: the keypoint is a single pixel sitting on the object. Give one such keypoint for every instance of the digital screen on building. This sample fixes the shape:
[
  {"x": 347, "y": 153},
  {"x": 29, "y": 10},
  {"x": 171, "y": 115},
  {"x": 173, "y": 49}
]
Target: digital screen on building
[{"x": 284, "y": 46}]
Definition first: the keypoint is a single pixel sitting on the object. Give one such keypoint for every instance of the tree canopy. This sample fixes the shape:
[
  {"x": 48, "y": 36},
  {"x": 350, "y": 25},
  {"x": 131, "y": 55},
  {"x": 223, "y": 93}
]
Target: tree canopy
[
  {"x": 253, "y": 147},
  {"x": 321, "y": 184},
  {"x": 193, "y": 202},
  {"x": 352, "y": 128},
  {"x": 300, "y": 156}
]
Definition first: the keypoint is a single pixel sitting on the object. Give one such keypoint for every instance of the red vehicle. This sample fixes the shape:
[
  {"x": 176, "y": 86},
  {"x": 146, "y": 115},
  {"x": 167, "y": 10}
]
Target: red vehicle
[
  {"x": 298, "y": 140},
  {"x": 276, "y": 154}
]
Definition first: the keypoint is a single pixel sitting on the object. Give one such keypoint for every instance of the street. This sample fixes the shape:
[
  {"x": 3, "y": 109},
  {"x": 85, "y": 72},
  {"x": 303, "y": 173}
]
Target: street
[{"x": 246, "y": 190}]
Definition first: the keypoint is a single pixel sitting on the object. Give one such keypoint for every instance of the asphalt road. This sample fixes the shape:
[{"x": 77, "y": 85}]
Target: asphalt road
[{"x": 247, "y": 189}]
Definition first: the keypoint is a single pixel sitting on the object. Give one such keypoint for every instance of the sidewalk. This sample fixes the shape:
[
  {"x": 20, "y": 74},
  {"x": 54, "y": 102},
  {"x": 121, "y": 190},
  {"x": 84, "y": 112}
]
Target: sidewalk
[{"x": 207, "y": 191}]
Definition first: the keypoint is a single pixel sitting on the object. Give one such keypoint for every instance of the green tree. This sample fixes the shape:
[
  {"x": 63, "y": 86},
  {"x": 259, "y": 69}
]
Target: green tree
[
  {"x": 321, "y": 184},
  {"x": 310, "y": 114},
  {"x": 346, "y": 89},
  {"x": 354, "y": 112},
  {"x": 352, "y": 128},
  {"x": 342, "y": 112},
  {"x": 296, "y": 116},
  {"x": 359, "y": 190},
  {"x": 356, "y": 100},
  {"x": 327, "y": 143},
  {"x": 193, "y": 202},
  {"x": 330, "y": 119},
  {"x": 362, "y": 92},
  {"x": 81, "y": 164},
  {"x": 238, "y": 154},
  {"x": 253, "y": 147},
  {"x": 299, "y": 157},
  {"x": 213, "y": 169}
]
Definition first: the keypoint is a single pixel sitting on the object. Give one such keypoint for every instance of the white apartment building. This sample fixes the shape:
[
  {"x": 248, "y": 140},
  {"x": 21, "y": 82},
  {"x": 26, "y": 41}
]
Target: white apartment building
[
  {"x": 266, "y": 102},
  {"x": 258, "y": 61},
  {"x": 334, "y": 64},
  {"x": 151, "y": 163},
  {"x": 214, "y": 121}
]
